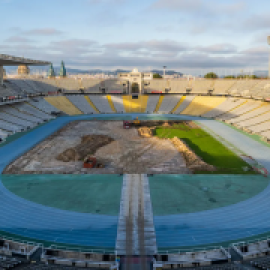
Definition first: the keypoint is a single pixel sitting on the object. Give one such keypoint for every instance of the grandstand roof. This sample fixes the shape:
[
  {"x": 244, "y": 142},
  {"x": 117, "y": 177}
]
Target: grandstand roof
[{"x": 8, "y": 60}]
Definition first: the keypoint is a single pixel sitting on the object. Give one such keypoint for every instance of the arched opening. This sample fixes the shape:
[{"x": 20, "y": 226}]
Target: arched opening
[{"x": 135, "y": 88}]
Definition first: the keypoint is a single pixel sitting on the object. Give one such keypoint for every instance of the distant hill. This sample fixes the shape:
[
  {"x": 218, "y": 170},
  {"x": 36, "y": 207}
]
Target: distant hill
[
  {"x": 168, "y": 72},
  {"x": 13, "y": 70}
]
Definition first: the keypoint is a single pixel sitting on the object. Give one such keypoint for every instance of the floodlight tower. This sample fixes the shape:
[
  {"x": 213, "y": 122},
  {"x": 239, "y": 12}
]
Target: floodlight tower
[
  {"x": 164, "y": 71},
  {"x": 268, "y": 41}
]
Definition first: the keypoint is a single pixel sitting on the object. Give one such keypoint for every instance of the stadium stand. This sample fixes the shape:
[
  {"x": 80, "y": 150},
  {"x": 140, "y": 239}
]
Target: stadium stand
[
  {"x": 242, "y": 88},
  {"x": 81, "y": 103},
  {"x": 34, "y": 85},
  {"x": 202, "y": 86},
  {"x": 160, "y": 99},
  {"x": 258, "y": 128},
  {"x": 78, "y": 259},
  {"x": 69, "y": 84},
  {"x": 224, "y": 107},
  {"x": 63, "y": 104},
  {"x": 78, "y": 266},
  {"x": 169, "y": 103},
  {"x": 252, "y": 250},
  {"x": 44, "y": 106},
  {"x": 52, "y": 82},
  {"x": 201, "y": 105},
  {"x": 198, "y": 258},
  {"x": 235, "y": 104},
  {"x": 152, "y": 103},
  {"x": 245, "y": 108},
  {"x": 111, "y": 103},
  {"x": 17, "y": 121},
  {"x": 49, "y": 85},
  {"x": 13, "y": 111},
  {"x": 13, "y": 88},
  {"x": 10, "y": 127},
  {"x": 179, "y": 86},
  {"x": 3, "y": 135},
  {"x": 261, "y": 263},
  {"x": 135, "y": 105},
  {"x": 118, "y": 103},
  {"x": 262, "y": 108},
  {"x": 255, "y": 120},
  {"x": 222, "y": 86},
  {"x": 28, "y": 109},
  {"x": 8, "y": 262},
  {"x": 6, "y": 91},
  {"x": 101, "y": 103},
  {"x": 115, "y": 86},
  {"x": 266, "y": 135},
  {"x": 26, "y": 88},
  {"x": 91, "y": 85},
  {"x": 258, "y": 90},
  {"x": 184, "y": 104},
  {"x": 157, "y": 85}
]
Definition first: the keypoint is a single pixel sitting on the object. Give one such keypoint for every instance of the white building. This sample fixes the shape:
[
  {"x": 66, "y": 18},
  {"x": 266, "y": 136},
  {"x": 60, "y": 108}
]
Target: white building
[{"x": 136, "y": 80}]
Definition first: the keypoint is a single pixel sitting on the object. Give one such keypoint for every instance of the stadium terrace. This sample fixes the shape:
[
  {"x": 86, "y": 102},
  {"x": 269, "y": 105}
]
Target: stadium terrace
[{"x": 137, "y": 171}]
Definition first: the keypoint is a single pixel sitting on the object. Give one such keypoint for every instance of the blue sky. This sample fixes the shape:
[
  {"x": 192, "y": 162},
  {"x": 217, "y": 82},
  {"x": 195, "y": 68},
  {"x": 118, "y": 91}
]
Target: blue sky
[{"x": 183, "y": 34}]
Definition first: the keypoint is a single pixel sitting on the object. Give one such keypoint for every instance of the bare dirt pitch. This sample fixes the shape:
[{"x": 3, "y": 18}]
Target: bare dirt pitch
[{"x": 126, "y": 153}]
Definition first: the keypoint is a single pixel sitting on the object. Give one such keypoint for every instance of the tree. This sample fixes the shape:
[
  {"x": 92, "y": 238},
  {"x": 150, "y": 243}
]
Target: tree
[
  {"x": 230, "y": 77},
  {"x": 247, "y": 77},
  {"x": 211, "y": 75},
  {"x": 157, "y": 76}
]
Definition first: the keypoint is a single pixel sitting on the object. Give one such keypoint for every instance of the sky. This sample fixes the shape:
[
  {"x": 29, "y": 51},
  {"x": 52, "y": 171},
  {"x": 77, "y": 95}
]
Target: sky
[{"x": 185, "y": 35}]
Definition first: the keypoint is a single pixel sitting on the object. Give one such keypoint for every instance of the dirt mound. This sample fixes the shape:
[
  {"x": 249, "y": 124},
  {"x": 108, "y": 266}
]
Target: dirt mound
[
  {"x": 145, "y": 132},
  {"x": 193, "y": 161},
  {"x": 88, "y": 146}
]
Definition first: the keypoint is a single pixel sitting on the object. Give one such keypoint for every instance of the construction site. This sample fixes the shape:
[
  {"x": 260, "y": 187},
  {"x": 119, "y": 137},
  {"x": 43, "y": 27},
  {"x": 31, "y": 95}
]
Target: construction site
[{"x": 109, "y": 147}]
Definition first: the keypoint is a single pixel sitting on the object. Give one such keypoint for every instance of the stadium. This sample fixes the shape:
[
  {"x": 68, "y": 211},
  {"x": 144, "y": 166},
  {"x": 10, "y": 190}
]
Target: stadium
[{"x": 133, "y": 172}]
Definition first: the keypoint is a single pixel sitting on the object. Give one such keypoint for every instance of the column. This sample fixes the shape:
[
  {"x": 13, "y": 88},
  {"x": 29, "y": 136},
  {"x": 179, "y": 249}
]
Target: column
[{"x": 1, "y": 75}]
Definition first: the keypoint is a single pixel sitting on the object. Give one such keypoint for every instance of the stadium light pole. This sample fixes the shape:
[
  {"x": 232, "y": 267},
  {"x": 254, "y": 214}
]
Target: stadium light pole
[
  {"x": 164, "y": 71},
  {"x": 268, "y": 41}
]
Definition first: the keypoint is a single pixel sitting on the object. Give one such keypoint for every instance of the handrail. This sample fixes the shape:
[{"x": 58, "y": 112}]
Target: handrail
[
  {"x": 59, "y": 247},
  {"x": 112, "y": 251}
]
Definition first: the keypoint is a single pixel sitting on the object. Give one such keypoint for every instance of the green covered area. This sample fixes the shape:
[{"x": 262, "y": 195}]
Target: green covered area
[
  {"x": 176, "y": 194},
  {"x": 208, "y": 148},
  {"x": 97, "y": 194}
]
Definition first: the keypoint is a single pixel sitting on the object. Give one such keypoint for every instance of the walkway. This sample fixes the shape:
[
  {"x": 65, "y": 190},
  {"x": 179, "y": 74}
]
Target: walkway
[
  {"x": 249, "y": 146},
  {"x": 136, "y": 233}
]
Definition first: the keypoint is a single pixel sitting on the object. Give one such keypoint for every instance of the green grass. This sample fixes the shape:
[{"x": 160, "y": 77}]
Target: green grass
[{"x": 208, "y": 148}]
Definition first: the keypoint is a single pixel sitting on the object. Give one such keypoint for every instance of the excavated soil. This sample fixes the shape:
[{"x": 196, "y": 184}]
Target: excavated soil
[{"x": 119, "y": 150}]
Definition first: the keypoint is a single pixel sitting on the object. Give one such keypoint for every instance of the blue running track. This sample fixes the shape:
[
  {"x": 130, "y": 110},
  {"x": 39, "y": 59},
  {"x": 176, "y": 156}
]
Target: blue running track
[{"x": 27, "y": 219}]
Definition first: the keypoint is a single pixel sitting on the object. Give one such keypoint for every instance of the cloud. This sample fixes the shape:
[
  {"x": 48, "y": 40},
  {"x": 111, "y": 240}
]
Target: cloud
[
  {"x": 183, "y": 5},
  {"x": 84, "y": 53},
  {"x": 74, "y": 47},
  {"x": 201, "y": 7},
  {"x": 18, "y": 39},
  {"x": 257, "y": 22},
  {"x": 43, "y": 32},
  {"x": 224, "y": 48},
  {"x": 151, "y": 45}
]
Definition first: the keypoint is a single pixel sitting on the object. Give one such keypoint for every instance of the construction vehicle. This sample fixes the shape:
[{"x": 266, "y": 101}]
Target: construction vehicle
[
  {"x": 91, "y": 162},
  {"x": 126, "y": 124},
  {"x": 137, "y": 122},
  {"x": 129, "y": 124}
]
